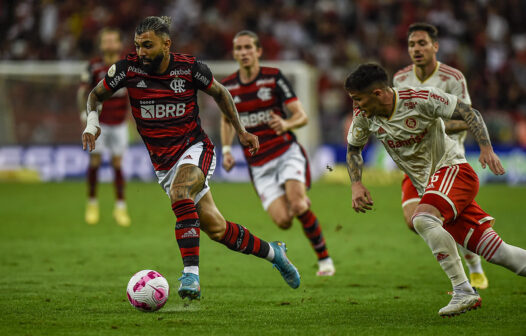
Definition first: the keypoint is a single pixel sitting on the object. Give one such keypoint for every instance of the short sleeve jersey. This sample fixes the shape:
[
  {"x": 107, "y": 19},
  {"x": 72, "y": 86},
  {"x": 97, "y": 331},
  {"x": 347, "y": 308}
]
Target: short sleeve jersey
[
  {"x": 114, "y": 110},
  {"x": 446, "y": 78},
  {"x": 255, "y": 101},
  {"x": 164, "y": 105},
  {"x": 414, "y": 135}
]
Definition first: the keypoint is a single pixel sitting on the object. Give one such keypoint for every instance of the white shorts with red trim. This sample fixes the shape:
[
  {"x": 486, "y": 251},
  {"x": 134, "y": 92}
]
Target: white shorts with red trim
[
  {"x": 269, "y": 179},
  {"x": 113, "y": 138},
  {"x": 201, "y": 155},
  {"x": 452, "y": 191}
]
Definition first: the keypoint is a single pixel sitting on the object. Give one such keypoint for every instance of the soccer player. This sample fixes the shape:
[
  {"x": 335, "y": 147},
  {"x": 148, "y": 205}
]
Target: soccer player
[
  {"x": 113, "y": 125},
  {"x": 162, "y": 88},
  {"x": 408, "y": 123},
  {"x": 280, "y": 171},
  {"x": 427, "y": 71}
]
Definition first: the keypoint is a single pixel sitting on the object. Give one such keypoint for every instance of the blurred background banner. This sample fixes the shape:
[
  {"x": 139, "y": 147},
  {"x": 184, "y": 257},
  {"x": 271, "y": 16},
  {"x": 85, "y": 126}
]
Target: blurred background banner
[{"x": 316, "y": 43}]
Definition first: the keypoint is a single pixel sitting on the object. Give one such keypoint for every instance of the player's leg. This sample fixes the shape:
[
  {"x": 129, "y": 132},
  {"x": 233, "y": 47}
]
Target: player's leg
[
  {"x": 300, "y": 208},
  {"x": 477, "y": 276},
  {"x": 187, "y": 182},
  {"x": 92, "y": 214},
  {"x": 410, "y": 200},
  {"x": 117, "y": 142},
  {"x": 451, "y": 190},
  {"x": 238, "y": 238},
  {"x": 496, "y": 251},
  {"x": 279, "y": 212}
]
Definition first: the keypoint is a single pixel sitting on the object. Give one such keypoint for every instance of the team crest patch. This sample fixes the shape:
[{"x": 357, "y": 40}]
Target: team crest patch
[
  {"x": 410, "y": 122},
  {"x": 178, "y": 85},
  {"x": 111, "y": 70}
]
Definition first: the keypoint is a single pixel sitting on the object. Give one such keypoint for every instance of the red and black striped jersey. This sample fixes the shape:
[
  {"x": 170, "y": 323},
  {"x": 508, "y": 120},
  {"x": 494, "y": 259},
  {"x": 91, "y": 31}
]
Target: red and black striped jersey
[
  {"x": 164, "y": 105},
  {"x": 114, "y": 109},
  {"x": 268, "y": 92}
]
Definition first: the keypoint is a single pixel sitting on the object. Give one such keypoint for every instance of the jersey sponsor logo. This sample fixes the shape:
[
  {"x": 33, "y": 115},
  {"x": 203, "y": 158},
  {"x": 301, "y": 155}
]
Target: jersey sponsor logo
[
  {"x": 439, "y": 98},
  {"x": 237, "y": 100},
  {"x": 178, "y": 85},
  {"x": 407, "y": 142},
  {"x": 264, "y": 93},
  {"x": 410, "y": 122},
  {"x": 410, "y": 104},
  {"x": 111, "y": 70},
  {"x": 402, "y": 78},
  {"x": 265, "y": 81},
  {"x": 285, "y": 88},
  {"x": 180, "y": 72},
  {"x": 255, "y": 119},
  {"x": 141, "y": 84},
  {"x": 200, "y": 77},
  {"x": 120, "y": 76},
  {"x": 137, "y": 70},
  {"x": 159, "y": 111}
]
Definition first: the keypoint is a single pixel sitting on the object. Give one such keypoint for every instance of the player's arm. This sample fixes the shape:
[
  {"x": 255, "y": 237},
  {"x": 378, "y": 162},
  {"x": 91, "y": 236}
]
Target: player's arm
[
  {"x": 361, "y": 198},
  {"x": 93, "y": 107},
  {"x": 82, "y": 96},
  {"x": 298, "y": 118},
  {"x": 455, "y": 126},
  {"x": 228, "y": 108},
  {"x": 478, "y": 128},
  {"x": 227, "y": 136}
]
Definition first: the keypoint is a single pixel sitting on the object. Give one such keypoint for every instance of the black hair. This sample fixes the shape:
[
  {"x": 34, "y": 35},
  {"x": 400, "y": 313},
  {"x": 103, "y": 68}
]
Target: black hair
[
  {"x": 249, "y": 33},
  {"x": 159, "y": 25},
  {"x": 431, "y": 30},
  {"x": 366, "y": 75}
]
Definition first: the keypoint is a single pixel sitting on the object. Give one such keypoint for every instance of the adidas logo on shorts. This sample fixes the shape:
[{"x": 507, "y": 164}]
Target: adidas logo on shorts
[{"x": 141, "y": 84}]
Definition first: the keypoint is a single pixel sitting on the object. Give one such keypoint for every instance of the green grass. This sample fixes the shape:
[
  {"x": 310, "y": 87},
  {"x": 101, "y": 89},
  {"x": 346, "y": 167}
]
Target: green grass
[{"x": 60, "y": 276}]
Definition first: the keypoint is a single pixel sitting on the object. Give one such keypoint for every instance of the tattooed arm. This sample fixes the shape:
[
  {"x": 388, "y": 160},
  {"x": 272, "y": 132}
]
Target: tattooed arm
[
  {"x": 93, "y": 107},
  {"x": 361, "y": 198},
  {"x": 455, "y": 126},
  {"x": 478, "y": 128},
  {"x": 226, "y": 104}
]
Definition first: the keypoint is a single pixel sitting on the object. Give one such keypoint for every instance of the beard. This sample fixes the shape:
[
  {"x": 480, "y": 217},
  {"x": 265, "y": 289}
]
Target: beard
[{"x": 154, "y": 64}]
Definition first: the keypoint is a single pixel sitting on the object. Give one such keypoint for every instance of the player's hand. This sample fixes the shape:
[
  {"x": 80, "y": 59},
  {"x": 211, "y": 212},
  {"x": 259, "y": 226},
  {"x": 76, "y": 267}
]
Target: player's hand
[
  {"x": 277, "y": 123},
  {"x": 228, "y": 161},
  {"x": 488, "y": 157},
  {"x": 249, "y": 140},
  {"x": 361, "y": 198},
  {"x": 88, "y": 140}
]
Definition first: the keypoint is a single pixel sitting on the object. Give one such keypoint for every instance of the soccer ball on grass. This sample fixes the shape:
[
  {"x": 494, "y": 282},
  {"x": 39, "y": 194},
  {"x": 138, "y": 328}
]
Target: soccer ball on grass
[{"x": 147, "y": 290}]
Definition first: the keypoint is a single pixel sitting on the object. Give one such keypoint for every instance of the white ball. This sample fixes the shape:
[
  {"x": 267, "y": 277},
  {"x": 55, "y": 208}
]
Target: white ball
[{"x": 147, "y": 290}]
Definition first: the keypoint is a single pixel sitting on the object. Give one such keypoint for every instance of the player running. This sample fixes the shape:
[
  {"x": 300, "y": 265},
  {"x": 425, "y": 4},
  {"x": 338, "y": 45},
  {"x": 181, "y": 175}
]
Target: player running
[
  {"x": 408, "y": 123},
  {"x": 427, "y": 71},
  {"x": 112, "y": 123},
  {"x": 163, "y": 88},
  {"x": 280, "y": 170}
]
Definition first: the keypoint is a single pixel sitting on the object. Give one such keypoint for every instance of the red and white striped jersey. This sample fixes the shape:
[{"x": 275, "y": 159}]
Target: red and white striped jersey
[
  {"x": 414, "y": 135},
  {"x": 446, "y": 78},
  {"x": 269, "y": 92}
]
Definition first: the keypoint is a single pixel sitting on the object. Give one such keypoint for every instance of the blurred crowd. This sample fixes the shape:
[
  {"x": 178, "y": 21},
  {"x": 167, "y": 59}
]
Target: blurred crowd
[{"x": 485, "y": 39}]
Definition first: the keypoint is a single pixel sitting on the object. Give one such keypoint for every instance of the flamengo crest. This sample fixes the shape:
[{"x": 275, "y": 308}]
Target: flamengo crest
[{"x": 178, "y": 85}]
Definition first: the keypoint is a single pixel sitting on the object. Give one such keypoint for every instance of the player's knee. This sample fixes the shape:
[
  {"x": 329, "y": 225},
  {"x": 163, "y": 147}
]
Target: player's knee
[
  {"x": 284, "y": 222},
  {"x": 423, "y": 221},
  {"x": 216, "y": 234},
  {"x": 298, "y": 207},
  {"x": 410, "y": 225}
]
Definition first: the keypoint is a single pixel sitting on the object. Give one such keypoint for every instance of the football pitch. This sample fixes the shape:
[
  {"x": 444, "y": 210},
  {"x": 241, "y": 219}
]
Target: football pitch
[{"x": 60, "y": 276}]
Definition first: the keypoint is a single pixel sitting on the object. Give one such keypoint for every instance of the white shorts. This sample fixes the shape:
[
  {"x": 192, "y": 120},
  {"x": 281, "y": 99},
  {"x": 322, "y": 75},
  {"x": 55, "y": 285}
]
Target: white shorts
[
  {"x": 113, "y": 138},
  {"x": 201, "y": 155},
  {"x": 269, "y": 179}
]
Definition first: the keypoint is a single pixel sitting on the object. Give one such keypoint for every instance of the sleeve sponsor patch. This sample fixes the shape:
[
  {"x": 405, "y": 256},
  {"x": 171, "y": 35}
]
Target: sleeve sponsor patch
[{"x": 111, "y": 70}]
